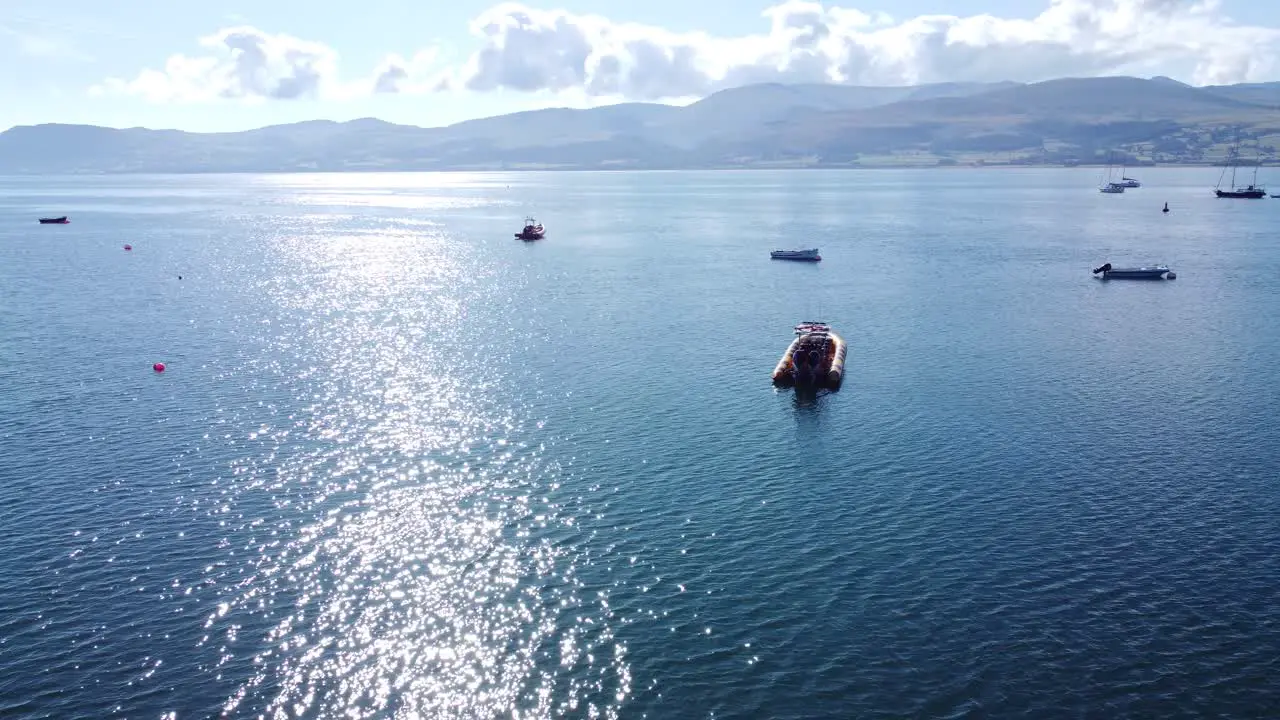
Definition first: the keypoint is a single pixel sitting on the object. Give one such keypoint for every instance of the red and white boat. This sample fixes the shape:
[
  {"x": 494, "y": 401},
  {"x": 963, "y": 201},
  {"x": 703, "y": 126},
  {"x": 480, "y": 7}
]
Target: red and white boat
[
  {"x": 814, "y": 359},
  {"x": 532, "y": 230}
]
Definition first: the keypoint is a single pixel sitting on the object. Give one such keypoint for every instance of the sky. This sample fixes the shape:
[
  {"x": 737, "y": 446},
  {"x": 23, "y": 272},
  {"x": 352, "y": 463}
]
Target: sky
[{"x": 233, "y": 65}]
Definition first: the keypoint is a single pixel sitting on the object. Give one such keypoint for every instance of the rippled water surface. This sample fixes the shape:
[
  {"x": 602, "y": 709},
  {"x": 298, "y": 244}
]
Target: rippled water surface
[{"x": 403, "y": 465}]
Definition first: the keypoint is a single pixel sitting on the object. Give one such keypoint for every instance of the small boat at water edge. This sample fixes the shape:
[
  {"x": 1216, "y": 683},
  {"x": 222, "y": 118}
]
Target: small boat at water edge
[
  {"x": 55, "y": 221},
  {"x": 814, "y": 359},
  {"x": 810, "y": 255},
  {"x": 532, "y": 230},
  {"x": 1151, "y": 272}
]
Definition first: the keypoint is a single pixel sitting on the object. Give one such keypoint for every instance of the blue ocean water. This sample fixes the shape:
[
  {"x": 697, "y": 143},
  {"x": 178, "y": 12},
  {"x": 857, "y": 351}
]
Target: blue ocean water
[{"x": 403, "y": 465}]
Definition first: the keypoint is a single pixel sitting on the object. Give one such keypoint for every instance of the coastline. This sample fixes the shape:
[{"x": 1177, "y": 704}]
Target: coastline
[{"x": 619, "y": 169}]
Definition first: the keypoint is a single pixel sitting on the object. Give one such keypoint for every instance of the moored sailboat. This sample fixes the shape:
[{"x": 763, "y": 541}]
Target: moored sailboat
[
  {"x": 1252, "y": 191},
  {"x": 1127, "y": 181},
  {"x": 1108, "y": 185}
]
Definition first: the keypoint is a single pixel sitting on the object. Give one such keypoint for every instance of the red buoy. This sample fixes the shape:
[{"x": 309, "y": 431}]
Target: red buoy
[
  {"x": 158, "y": 367},
  {"x": 128, "y": 247}
]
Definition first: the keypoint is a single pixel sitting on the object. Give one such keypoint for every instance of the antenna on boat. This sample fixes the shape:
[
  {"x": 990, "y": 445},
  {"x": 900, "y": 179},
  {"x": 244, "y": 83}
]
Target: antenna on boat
[{"x": 814, "y": 303}]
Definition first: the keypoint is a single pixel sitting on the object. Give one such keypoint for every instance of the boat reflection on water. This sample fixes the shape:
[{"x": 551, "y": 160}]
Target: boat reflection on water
[
  {"x": 808, "y": 399},
  {"x": 812, "y": 421}
]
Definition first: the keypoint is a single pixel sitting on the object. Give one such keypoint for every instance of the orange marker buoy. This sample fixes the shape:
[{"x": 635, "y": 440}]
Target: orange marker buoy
[{"x": 158, "y": 367}]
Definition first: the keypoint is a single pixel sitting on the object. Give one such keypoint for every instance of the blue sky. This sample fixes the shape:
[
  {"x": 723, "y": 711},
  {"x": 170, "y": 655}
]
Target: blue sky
[{"x": 234, "y": 64}]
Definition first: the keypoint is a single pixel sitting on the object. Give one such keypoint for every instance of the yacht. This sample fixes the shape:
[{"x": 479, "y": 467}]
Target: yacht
[{"x": 1252, "y": 191}]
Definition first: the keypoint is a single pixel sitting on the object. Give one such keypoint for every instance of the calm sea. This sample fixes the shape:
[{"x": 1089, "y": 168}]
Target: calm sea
[{"x": 403, "y": 465}]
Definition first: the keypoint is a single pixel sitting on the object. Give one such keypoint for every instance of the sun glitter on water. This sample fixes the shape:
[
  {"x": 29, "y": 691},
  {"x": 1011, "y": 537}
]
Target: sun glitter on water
[{"x": 430, "y": 577}]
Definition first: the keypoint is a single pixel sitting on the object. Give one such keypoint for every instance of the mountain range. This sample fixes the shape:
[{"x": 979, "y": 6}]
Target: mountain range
[{"x": 1069, "y": 120}]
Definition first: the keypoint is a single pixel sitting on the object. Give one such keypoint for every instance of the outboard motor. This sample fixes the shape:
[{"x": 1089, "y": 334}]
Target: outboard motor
[
  {"x": 803, "y": 373},
  {"x": 1104, "y": 268}
]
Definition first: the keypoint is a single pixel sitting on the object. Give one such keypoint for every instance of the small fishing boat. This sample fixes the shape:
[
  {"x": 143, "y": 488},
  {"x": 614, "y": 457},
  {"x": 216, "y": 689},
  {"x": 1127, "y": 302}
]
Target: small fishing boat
[
  {"x": 814, "y": 359},
  {"x": 810, "y": 255},
  {"x": 1112, "y": 188},
  {"x": 55, "y": 221},
  {"x": 1150, "y": 272},
  {"x": 532, "y": 230}
]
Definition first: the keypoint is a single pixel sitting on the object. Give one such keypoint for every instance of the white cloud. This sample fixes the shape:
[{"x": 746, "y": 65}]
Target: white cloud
[
  {"x": 250, "y": 64},
  {"x": 591, "y": 57},
  {"x": 526, "y": 49},
  {"x": 244, "y": 63},
  {"x": 398, "y": 75}
]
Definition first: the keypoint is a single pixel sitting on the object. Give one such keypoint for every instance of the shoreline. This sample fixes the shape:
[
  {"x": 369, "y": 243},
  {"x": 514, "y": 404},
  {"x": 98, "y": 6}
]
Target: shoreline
[{"x": 734, "y": 168}]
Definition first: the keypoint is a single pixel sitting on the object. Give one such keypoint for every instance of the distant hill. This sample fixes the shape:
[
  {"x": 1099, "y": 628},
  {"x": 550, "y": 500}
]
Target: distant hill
[
  {"x": 1264, "y": 94},
  {"x": 743, "y": 112},
  {"x": 1069, "y": 120}
]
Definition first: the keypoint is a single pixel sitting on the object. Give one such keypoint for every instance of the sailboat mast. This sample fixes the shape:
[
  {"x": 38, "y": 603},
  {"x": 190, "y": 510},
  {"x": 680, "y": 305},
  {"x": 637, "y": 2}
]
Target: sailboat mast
[{"x": 1257, "y": 160}]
